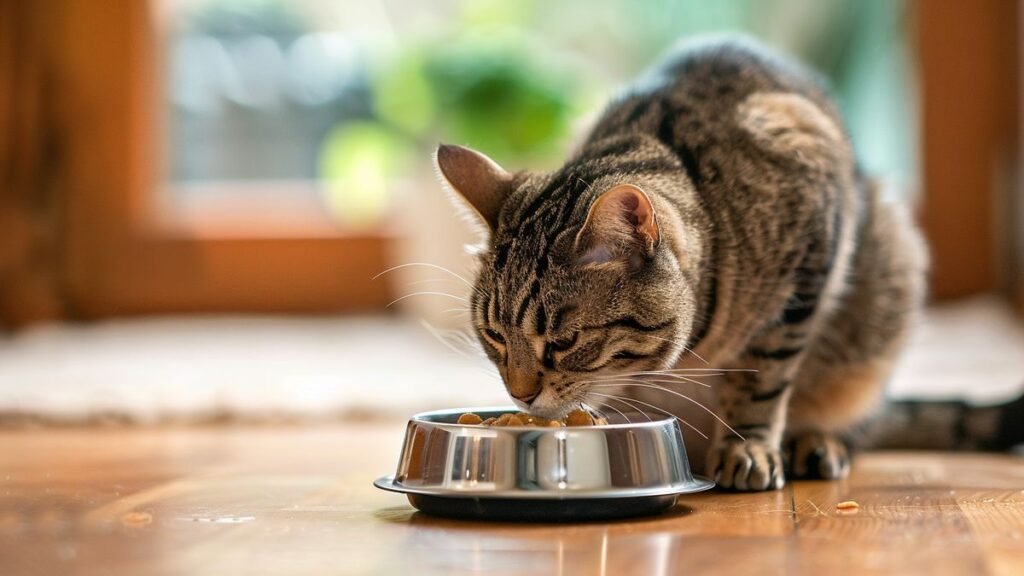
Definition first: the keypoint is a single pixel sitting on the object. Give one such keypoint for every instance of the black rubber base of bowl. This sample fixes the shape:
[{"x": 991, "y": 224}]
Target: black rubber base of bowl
[{"x": 521, "y": 510}]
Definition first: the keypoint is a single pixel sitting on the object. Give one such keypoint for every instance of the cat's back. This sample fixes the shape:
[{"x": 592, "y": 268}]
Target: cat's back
[
  {"x": 722, "y": 69},
  {"x": 693, "y": 92}
]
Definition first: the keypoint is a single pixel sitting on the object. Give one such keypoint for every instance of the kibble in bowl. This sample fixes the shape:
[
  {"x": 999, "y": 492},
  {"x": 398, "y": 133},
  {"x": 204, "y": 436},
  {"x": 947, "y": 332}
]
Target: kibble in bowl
[{"x": 577, "y": 417}]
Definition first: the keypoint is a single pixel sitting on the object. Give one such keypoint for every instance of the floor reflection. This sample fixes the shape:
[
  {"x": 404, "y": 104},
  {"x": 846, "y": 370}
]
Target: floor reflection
[{"x": 467, "y": 547}]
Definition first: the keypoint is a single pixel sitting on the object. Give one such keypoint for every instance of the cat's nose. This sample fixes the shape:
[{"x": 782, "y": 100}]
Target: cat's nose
[
  {"x": 524, "y": 385},
  {"x": 529, "y": 397}
]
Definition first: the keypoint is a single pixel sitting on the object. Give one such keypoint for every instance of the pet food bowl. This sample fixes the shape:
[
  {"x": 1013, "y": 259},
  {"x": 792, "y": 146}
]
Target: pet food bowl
[{"x": 611, "y": 470}]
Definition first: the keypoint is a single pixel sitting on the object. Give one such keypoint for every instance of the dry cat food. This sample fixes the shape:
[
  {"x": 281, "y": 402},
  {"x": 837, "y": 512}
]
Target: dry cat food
[
  {"x": 848, "y": 507},
  {"x": 575, "y": 418},
  {"x": 136, "y": 518}
]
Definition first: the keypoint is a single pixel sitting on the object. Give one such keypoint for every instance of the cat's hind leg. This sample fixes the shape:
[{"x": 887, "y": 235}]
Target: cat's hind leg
[
  {"x": 827, "y": 403},
  {"x": 841, "y": 382},
  {"x": 814, "y": 454}
]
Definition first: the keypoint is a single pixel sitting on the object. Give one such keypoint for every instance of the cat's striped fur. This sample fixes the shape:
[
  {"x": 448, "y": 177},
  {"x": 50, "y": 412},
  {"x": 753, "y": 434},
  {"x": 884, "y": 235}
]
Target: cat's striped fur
[{"x": 718, "y": 204}]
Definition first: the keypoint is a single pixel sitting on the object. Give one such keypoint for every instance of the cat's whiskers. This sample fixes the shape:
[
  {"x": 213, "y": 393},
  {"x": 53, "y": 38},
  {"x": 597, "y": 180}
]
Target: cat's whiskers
[
  {"x": 678, "y": 380},
  {"x": 615, "y": 381},
  {"x": 625, "y": 383},
  {"x": 425, "y": 264},
  {"x": 617, "y": 411},
  {"x": 679, "y": 373},
  {"x": 693, "y": 372},
  {"x": 429, "y": 281},
  {"x": 655, "y": 377},
  {"x": 445, "y": 337},
  {"x": 455, "y": 276},
  {"x": 436, "y": 333},
  {"x": 623, "y": 401},
  {"x": 676, "y": 342},
  {"x": 470, "y": 342},
  {"x": 629, "y": 403},
  {"x": 662, "y": 410},
  {"x": 427, "y": 293},
  {"x": 463, "y": 335},
  {"x": 687, "y": 370}
]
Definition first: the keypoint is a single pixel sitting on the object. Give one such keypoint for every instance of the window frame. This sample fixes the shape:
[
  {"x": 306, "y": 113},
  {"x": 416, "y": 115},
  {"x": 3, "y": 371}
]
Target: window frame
[
  {"x": 968, "y": 65},
  {"x": 122, "y": 255},
  {"x": 113, "y": 257}
]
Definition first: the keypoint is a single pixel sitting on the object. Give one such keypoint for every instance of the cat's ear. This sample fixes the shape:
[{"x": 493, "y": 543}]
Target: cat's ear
[
  {"x": 621, "y": 226},
  {"x": 476, "y": 178}
]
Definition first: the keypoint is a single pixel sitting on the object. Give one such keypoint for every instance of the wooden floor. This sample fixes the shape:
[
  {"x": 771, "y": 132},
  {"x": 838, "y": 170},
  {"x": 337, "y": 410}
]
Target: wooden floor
[{"x": 299, "y": 501}]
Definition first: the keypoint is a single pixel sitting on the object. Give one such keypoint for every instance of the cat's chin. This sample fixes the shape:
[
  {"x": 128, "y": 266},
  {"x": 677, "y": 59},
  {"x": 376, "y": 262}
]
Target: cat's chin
[
  {"x": 549, "y": 413},
  {"x": 523, "y": 406},
  {"x": 546, "y": 409}
]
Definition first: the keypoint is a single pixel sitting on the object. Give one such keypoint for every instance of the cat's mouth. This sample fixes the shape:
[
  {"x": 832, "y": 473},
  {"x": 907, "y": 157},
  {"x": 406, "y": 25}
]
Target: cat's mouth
[
  {"x": 548, "y": 405},
  {"x": 561, "y": 412}
]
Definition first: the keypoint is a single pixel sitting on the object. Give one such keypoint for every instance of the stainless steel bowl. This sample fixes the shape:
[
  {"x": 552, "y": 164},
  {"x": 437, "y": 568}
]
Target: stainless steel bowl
[{"x": 530, "y": 473}]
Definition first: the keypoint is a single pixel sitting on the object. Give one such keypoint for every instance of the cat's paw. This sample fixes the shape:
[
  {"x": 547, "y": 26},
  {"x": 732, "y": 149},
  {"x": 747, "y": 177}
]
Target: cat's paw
[
  {"x": 749, "y": 465},
  {"x": 818, "y": 455}
]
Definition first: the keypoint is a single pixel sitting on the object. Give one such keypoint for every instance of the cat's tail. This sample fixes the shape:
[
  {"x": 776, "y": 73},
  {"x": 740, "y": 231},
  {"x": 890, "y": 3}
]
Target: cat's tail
[{"x": 950, "y": 425}]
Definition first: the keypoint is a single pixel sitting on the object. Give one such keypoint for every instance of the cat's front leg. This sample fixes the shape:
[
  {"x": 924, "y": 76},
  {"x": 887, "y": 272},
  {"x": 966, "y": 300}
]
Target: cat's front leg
[{"x": 747, "y": 454}]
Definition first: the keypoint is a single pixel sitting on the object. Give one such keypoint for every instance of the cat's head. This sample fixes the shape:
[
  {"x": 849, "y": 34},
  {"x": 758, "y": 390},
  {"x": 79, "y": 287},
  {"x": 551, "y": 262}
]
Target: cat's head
[{"x": 580, "y": 282}]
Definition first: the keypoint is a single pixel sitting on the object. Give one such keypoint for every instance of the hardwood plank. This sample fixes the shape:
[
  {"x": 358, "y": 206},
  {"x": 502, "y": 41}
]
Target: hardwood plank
[
  {"x": 901, "y": 529},
  {"x": 996, "y": 518},
  {"x": 299, "y": 501}
]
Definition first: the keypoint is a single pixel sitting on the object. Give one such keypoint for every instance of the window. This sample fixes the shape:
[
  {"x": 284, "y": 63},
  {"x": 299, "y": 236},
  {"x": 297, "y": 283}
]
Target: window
[
  {"x": 135, "y": 244},
  {"x": 265, "y": 155}
]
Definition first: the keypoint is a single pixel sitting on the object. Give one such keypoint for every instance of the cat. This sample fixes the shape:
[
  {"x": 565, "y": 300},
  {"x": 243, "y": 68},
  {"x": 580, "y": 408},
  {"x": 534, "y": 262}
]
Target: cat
[{"x": 715, "y": 211}]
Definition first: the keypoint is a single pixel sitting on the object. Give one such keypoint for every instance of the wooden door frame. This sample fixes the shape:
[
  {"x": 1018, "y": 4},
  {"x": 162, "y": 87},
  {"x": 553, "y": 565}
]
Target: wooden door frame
[
  {"x": 968, "y": 54},
  {"x": 119, "y": 258}
]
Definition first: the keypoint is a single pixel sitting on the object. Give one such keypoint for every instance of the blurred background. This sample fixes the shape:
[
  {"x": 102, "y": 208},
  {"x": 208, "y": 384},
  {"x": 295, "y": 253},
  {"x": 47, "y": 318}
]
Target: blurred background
[{"x": 198, "y": 198}]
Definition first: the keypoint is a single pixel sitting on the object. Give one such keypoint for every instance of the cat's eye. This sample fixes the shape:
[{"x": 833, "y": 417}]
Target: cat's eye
[
  {"x": 563, "y": 345},
  {"x": 494, "y": 336}
]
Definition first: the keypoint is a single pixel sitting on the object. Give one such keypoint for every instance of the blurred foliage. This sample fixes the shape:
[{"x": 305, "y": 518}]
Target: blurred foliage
[
  {"x": 497, "y": 79},
  {"x": 404, "y": 96},
  {"x": 512, "y": 78},
  {"x": 357, "y": 163},
  {"x": 491, "y": 96}
]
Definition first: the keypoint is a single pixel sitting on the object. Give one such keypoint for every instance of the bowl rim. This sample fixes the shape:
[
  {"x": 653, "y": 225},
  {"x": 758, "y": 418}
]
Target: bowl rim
[
  {"x": 697, "y": 483},
  {"x": 421, "y": 418}
]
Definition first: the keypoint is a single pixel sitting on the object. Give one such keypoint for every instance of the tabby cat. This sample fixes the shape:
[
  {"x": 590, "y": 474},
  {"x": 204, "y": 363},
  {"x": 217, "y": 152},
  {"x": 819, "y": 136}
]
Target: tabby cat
[{"x": 716, "y": 211}]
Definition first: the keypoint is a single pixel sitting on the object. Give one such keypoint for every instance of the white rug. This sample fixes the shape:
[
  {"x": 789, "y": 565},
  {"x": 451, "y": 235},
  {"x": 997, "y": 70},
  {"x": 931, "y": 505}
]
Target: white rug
[{"x": 150, "y": 370}]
